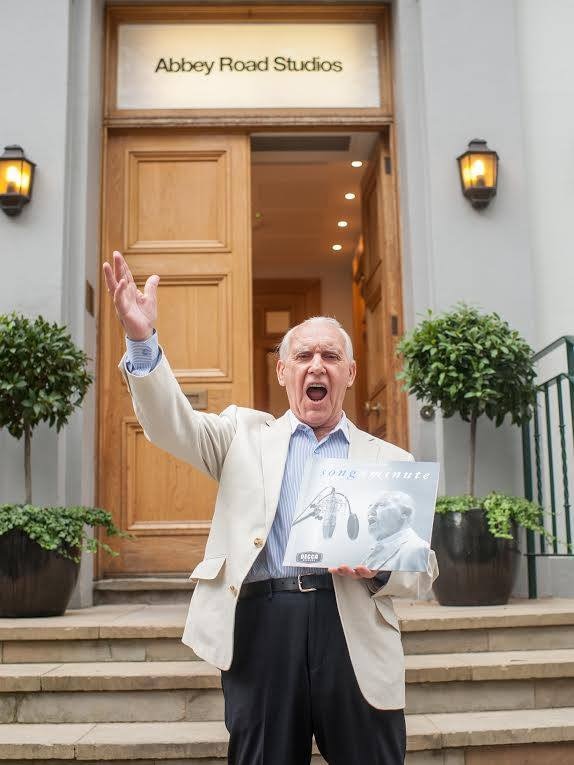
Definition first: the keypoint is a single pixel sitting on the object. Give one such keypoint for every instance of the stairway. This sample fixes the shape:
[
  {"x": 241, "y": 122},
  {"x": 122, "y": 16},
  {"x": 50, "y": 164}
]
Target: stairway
[{"x": 114, "y": 684}]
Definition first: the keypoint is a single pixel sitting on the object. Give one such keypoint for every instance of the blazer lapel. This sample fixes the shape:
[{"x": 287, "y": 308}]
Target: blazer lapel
[
  {"x": 275, "y": 437},
  {"x": 362, "y": 446}
]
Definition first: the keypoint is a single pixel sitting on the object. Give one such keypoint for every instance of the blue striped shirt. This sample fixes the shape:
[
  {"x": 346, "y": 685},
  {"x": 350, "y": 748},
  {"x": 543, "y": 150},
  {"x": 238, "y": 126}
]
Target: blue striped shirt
[
  {"x": 144, "y": 355},
  {"x": 302, "y": 446}
]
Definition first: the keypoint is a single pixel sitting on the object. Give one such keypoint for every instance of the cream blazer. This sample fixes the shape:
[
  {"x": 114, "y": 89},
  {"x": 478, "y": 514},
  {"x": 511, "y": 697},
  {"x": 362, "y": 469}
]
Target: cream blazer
[{"x": 245, "y": 450}]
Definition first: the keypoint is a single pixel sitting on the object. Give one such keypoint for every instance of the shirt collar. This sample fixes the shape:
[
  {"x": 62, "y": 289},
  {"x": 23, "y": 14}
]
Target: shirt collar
[{"x": 342, "y": 425}]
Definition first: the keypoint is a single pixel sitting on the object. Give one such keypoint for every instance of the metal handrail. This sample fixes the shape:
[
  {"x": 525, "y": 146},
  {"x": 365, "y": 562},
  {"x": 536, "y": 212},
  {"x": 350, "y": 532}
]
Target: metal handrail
[
  {"x": 568, "y": 339},
  {"x": 552, "y": 485}
]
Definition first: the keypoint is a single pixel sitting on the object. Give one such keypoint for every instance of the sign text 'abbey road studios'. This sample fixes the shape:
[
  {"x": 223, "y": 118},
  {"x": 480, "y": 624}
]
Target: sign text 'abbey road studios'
[{"x": 248, "y": 65}]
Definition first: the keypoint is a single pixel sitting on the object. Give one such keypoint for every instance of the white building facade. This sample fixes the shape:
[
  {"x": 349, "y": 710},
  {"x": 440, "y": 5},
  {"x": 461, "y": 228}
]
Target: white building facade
[{"x": 498, "y": 70}]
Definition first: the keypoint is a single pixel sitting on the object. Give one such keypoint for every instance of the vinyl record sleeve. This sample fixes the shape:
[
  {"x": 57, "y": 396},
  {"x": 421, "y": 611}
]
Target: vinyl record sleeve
[{"x": 379, "y": 515}]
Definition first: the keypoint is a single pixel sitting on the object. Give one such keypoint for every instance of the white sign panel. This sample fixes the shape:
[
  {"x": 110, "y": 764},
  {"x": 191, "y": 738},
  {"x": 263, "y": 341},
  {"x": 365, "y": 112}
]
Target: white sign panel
[{"x": 247, "y": 65}]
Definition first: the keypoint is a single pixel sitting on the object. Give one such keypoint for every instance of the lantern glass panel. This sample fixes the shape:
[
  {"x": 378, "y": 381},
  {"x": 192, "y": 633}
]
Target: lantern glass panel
[
  {"x": 478, "y": 170},
  {"x": 15, "y": 177},
  {"x": 9, "y": 177},
  {"x": 26, "y": 178}
]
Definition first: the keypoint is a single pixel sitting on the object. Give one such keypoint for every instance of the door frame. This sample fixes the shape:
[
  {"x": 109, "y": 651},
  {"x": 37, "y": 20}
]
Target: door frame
[{"x": 246, "y": 121}]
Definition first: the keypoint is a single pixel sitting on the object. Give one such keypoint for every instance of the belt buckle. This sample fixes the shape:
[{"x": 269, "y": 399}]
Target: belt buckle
[{"x": 305, "y": 589}]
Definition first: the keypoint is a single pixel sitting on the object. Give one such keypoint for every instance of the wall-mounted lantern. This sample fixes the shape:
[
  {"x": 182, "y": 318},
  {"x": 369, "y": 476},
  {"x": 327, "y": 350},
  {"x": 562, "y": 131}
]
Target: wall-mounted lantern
[
  {"x": 478, "y": 168},
  {"x": 16, "y": 180}
]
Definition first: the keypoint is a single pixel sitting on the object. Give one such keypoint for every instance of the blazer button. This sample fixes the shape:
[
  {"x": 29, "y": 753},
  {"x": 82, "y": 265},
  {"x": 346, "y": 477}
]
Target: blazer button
[
  {"x": 258, "y": 542},
  {"x": 233, "y": 589}
]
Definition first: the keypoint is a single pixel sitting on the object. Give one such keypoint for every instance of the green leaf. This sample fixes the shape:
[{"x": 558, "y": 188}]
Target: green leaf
[
  {"x": 501, "y": 510},
  {"x": 469, "y": 363},
  {"x": 43, "y": 375},
  {"x": 62, "y": 529}
]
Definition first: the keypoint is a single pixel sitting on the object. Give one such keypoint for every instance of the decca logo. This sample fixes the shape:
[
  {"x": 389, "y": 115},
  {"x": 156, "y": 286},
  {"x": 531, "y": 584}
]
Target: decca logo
[{"x": 309, "y": 557}]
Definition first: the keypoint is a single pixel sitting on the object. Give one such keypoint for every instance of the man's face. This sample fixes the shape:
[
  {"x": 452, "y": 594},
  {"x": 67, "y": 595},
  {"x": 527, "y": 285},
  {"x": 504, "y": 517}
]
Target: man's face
[
  {"x": 384, "y": 518},
  {"x": 316, "y": 374}
]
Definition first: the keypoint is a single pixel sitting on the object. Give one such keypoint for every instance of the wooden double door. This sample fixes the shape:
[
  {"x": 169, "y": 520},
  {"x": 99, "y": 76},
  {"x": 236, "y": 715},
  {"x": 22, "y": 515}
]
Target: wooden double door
[{"x": 178, "y": 204}]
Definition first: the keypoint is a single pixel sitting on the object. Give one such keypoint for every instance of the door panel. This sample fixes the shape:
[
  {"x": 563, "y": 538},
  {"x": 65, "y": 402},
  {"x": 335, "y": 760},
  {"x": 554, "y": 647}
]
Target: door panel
[
  {"x": 378, "y": 298},
  {"x": 161, "y": 187},
  {"x": 175, "y": 205},
  {"x": 203, "y": 347}
]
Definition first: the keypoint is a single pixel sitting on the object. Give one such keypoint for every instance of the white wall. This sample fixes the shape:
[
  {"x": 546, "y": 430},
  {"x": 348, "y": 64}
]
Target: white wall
[
  {"x": 499, "y": 70},
  {"x": 457, "y": 79},
  {"x": 546, "y": 67},
  {"x": 52, "y": 108},
  {"x": 34, "y": 114}
]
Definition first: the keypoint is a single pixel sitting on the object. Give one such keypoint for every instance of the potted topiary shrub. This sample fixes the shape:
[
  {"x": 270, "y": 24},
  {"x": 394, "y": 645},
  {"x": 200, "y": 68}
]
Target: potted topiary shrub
[
  {"x": 473, "y": 364},
  {"x": 42, "y": 379}
]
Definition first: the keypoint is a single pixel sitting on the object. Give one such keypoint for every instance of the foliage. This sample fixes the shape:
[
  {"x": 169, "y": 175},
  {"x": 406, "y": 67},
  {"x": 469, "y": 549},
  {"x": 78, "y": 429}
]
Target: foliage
[
  {"x": 500, "y": 510},
  {"x": 42, "y": 374},
  {"x": 459, "y": 504},
  {"x": 60, "y": 528},
  {"x": 470, "y": 363}
]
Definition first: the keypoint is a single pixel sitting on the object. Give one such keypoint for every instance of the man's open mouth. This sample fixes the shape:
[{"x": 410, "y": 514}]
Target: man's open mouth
[{"x": 316, "y": 392}]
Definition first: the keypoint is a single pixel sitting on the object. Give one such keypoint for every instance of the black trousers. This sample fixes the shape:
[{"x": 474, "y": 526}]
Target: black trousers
[{"x": 292, "y": 677}]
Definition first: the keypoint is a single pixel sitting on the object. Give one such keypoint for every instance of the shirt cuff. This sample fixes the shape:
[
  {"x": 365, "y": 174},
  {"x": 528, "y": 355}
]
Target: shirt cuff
[
  {"x": 378, "y": 581},
  {"x": 142, "y": 355}
]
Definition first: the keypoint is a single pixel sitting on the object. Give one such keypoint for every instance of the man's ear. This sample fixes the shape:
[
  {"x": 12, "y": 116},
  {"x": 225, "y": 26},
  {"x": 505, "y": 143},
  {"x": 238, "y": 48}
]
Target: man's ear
[
  {"x": 281, "y": 372},
  {"x": 352, "y": 373}
]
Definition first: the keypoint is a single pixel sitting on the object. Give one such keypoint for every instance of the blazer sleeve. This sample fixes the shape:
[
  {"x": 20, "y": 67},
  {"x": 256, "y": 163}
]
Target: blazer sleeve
[
  {"x": 410, "y": 584},
  {"x": 170, "y": 422}
]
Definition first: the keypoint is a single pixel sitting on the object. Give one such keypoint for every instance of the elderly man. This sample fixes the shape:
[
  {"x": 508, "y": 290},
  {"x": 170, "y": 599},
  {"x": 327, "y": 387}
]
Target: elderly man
[
  {"x": 301, "y": 652},
  {"x": 397, "y": 546}
]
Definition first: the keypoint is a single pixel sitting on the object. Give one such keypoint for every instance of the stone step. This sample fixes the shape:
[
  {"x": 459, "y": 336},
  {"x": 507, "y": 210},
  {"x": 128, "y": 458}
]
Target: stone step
[
  {"x": 139, "y": 632},
  {"x": 153, "y": 590},
  {"x": 493, "y": 680},
  {"x": 461, "y": 738},
  {"x": 103, "y": 633},
  {"x": 178, "y": 691},
  {"x": 521, "y": 625}
]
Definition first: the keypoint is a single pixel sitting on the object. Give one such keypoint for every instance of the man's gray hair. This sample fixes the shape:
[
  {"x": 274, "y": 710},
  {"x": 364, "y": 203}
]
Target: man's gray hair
[{"x": 285, "y": 345}]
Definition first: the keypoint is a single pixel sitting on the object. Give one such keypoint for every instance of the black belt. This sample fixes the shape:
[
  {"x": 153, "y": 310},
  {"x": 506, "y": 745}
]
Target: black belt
[{"x": 301, "y": 583}]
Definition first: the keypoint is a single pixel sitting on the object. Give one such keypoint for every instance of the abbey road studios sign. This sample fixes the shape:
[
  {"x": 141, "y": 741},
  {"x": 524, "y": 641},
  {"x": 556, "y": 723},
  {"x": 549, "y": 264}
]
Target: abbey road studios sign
[{"x": 247, "y": 65}]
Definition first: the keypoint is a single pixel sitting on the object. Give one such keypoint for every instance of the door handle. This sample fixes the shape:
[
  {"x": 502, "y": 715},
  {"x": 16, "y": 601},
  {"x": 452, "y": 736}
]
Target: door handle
[{"x": 373, "y": 408}]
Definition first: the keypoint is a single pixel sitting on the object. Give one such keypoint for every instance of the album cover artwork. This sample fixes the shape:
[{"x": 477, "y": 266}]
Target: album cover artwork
[{"x": 378, "y": 515}]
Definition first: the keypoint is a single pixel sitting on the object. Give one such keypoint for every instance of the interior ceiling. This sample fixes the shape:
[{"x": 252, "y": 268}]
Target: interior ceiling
[{"x": 299, "y": 182}]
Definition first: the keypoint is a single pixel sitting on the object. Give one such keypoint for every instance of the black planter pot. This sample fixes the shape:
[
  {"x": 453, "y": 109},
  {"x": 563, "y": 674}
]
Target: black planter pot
[
  {"x": 33, "y": 581},
  {"x": 475, "y": 568}
]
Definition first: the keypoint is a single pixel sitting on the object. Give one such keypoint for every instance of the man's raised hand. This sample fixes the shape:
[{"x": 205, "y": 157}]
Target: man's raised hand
[{"x": 136, "y": 310}]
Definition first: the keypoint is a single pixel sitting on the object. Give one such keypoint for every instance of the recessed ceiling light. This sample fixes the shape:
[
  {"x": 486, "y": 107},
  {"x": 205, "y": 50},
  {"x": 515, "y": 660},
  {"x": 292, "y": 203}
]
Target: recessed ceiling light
[
  {"x": 342, "y": 224},
  {"x": 357, "y": 163},
  {"x": 349, "y": 195},
  {"x": 337, "y": 247}
]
